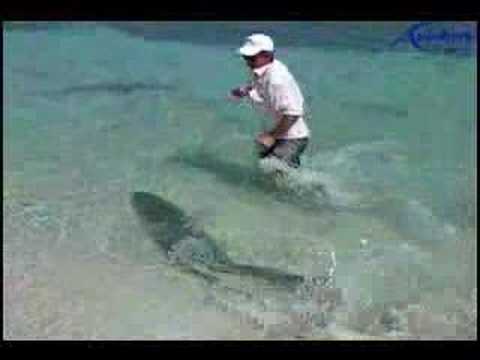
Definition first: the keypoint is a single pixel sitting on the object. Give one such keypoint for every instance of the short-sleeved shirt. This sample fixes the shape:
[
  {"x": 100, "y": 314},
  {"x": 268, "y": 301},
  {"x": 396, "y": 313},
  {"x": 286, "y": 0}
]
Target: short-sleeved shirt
[{"x": 275, "y": 90}]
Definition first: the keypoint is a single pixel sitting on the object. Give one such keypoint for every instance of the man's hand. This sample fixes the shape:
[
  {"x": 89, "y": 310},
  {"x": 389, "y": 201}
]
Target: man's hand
[
  {"x": 265, "y": 139},
  {"x": 240, "y": 92}
]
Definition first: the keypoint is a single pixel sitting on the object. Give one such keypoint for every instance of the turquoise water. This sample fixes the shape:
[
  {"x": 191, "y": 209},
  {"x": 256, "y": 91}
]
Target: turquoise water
[{"x": 94, "y": 112}]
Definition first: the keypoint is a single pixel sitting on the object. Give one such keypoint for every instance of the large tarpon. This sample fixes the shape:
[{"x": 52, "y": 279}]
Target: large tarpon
[{"x": 195, "y": 251}]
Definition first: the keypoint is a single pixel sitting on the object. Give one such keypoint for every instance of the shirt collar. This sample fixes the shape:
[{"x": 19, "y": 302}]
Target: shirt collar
[{"x": 259, "y": 72}]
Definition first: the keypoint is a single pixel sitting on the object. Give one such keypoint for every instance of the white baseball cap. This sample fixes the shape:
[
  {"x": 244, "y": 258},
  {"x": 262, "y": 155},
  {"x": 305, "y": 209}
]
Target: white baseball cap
[{"x": 256, "y": 43}]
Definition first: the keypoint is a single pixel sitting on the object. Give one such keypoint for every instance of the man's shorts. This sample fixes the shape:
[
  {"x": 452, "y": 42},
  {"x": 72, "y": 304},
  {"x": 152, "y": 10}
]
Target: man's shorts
[{"x": 287, "y": 150}]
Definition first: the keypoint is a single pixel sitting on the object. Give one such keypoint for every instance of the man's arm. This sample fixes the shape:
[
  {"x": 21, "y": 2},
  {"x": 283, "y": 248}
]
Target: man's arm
[
  {"x": 283, "y": 126},
  {"x": 268, "y": 138}
]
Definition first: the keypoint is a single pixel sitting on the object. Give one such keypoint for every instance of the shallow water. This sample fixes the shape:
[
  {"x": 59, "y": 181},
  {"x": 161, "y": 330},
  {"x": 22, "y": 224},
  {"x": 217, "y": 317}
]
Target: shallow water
[{"x": 95, "y": 112}]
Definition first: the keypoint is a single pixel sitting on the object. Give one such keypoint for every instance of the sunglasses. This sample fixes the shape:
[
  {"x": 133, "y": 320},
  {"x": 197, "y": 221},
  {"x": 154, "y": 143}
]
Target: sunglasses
[{"x": 249, "y": 58}]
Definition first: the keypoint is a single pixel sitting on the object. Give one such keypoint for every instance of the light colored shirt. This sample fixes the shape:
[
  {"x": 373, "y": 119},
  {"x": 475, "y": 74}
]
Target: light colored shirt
[{"x": 275, "y": 91}]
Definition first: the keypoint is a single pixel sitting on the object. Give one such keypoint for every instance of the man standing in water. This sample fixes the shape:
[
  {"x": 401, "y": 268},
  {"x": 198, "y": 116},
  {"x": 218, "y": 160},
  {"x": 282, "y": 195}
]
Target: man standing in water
[{"x": 274, "y": 89}]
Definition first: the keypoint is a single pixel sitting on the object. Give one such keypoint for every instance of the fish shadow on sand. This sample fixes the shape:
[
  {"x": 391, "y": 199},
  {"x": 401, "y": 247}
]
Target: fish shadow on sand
[
  {"x": 226, "y": 171},
  {"x": 116, "y": 88},
  {"x": 379, "y": 109},
  {"x": 112, "y": 88},
  {"x": 249, "y": 178},
  {"x": 409, "y": 218},
  {"x": 196, "y": 252}
]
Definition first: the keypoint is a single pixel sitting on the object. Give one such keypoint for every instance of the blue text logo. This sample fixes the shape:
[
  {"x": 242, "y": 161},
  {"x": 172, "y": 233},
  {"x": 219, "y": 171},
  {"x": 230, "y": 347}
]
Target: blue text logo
[{"x": 458, "y": 38}]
